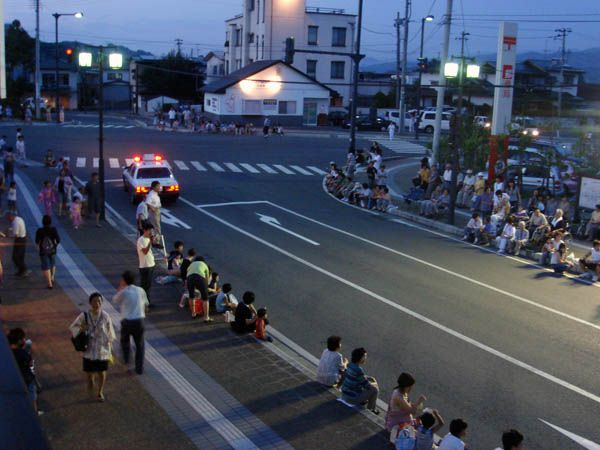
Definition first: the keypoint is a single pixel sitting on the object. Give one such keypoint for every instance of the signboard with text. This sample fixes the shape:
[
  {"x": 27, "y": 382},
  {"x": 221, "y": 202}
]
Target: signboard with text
[
  {"x": 589, "y": 194},
  {"x": 505, "y": 75}
]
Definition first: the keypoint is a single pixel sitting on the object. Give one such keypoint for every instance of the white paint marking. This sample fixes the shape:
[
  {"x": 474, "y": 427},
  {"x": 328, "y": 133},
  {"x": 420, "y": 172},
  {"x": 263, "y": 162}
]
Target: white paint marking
[
  {"x": 96, "y": 162},
  {"x": 215, "y": 166},
  {"x": 80, "y": 162},
  {"x": 128, "y": 161},
  {"x": 129, "y": 126},
  {"x": 266, "y": 168},
  {"x": 317, "y": 170},
  {"x": 114, "y": 163},
  {"x": 272, "y": 221},
  {"x": 233, "y": 167},
  {"x": 169, "y": 219},
  {"x": 68, "y": 126},
  {"x": 181, "y": 165},
  {"x": 212, "y": 205},
  {"x": 301, "y": 170},
  {"x": 199, "y": 167},
  {"x": 399, "y": 307},
  {"x": 283, "y": 169},
  {"x": 108, "y": 126},
  {"x": 585, "y": 443},
  {"x": 249, "y": 168}
]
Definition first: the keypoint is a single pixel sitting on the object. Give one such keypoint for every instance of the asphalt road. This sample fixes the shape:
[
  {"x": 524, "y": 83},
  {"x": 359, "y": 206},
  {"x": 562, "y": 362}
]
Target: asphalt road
[{"x": 489, "y": 339}]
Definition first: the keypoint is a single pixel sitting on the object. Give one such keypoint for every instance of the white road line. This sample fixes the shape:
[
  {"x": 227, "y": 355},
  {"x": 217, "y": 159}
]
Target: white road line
[
  {"x": 128, "y": 161},
  {"x": 283, "y": 169},
  {"x": 399, "y": 307},
  {"x": 233, "y": 167},
  {"x": 236, "y": 438},
  {"x": 96, "y": 162},
  {"x": 316, "y": 169},
  {"x": 181, "y": 165},
  {"x": 129, "y": 126},
  {"x": 585, "y": 443},
  {"x": 199, "y": 167},
  {"x": 301, "y": 170},
  {"x": 266, "y": 168},
  {"x": 108, "y": 126},
  {"x": 114, "y": 163},
  {"x": 213, "y": 205},
  {"x": 68, "y": 126},
  {"x": 80, "y": 162},
  {"x": 215, "y": 166},
  {"x": 249, "y": 168}
]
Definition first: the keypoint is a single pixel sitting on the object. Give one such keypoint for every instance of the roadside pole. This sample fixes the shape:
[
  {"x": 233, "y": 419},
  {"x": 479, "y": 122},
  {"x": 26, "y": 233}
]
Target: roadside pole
[
  {"x": 441, "y": 90},
  {"x": 402, "y": 108},
  {"x": 36, "y": 97},
  {"x": 398, "y": 67},
  {"x": 356, "y": 58}
]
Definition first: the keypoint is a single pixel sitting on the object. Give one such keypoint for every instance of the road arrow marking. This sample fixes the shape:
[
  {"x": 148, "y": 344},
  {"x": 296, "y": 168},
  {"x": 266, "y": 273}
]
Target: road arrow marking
[
  {"x": 585, "y": 443},
  {"x": 170, "y": 219},
  {"x": 272, "y": 221}
]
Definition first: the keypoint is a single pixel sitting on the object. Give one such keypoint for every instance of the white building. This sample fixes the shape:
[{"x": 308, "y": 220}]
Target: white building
[
  {"x": 255, "y": 91},
  {"x": 215, "y": 66},
  {"x": 259, "y": 33}
]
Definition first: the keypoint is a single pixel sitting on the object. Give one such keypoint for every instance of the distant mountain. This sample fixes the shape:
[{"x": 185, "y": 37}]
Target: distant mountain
[{"x": 588, "y": 60}]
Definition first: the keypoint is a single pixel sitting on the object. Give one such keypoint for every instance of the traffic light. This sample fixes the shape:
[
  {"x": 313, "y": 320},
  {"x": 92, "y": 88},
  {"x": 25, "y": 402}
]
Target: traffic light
[
  {"x": 422, "y": 63},
  {"x": 289, "y": 50},
  {"x": 69, "y": 53}
]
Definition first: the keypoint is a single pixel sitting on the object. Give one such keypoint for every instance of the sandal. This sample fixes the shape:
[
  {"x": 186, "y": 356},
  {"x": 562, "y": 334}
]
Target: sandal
[
  {"x": 100, "y": 397},
  {"x": 208, "y": 320}
]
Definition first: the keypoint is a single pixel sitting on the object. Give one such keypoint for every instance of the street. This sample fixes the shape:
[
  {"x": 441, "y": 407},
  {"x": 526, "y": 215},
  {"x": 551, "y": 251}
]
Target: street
[{"x": 492, "y": 340}]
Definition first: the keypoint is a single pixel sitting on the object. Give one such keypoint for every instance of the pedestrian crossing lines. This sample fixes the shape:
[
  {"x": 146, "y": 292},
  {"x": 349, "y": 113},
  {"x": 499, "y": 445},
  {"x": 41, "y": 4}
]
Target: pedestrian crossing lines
[
  {"x": 397, "y": 145},
  {"x": 90, "y": 125},
  {"x": 210, "y": 166}
]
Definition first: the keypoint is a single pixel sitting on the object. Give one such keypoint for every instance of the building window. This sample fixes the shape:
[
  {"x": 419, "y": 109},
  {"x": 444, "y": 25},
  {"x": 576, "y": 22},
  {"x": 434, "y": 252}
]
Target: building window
[
  {"x": 338, "y": 37},
  {"x": 238, "y": 64},
  {"x": 262, "y": 47},
  {"x": 287, "y": 107},
  {"x": 250, "y": 38},
  {"x": 313, "y": 35},
  {"x": 251, "y": 107},
  {"x": 48, "y": 79},
  {"x": 113, "y": 76},
  {"x": 338, "y": 69},
  {"x": 311, "y": 68},
  {"x": 238, "y": 37},
  {"x": 214, "y": 70},
  {"x": 269, "y": 106},
  {"x": 257, "y": 11},
  {"x": 251, "y": 5}
]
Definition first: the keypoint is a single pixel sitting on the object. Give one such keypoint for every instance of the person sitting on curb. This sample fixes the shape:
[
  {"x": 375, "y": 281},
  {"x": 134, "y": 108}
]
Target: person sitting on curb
[
  {"x": 559, "y": 259},
  {"x": 466, "y": 192},
  {"x": 245, "y": 315},
  {"x": 332, "y": 364},
  {"x": 591, "y": 262},
  {"x": 473, "y": 227},
  {"x": 454, "y": 439},
  {"x": 430, "y": 422},
  {"x": 401, "y": 409},
  {"x": 427, "y": 207},
  {"x": 507, "y": 236},
  {"x": 384, "y": 200},
  {"x": 357, "y": 388},
  {"x": 262, "y": 320},
  {"x": 537, "y": 225},
  {"x": 511, "y": 440},
  {"x": 225, "y": 300},
  {"x": 521, "y": 239},
  {"x": 487, "y": 234}
]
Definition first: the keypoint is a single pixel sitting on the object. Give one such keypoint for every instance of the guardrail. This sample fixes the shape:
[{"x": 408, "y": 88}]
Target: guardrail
[{"x": 316, "y": 9}]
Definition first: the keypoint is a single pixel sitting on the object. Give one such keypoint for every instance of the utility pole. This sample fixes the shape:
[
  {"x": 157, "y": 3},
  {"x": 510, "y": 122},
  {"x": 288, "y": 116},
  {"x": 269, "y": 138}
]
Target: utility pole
[
  {"x": 397, "y": 23},
  {"x": 402, "y": 108},
  {"x": 356, "y": 58},
  {"x": 178, "y": 43},
  {"x": 441, "y": 90},
  {"x": 562, "y": 35},
  {"x": 36, "y": 97}
]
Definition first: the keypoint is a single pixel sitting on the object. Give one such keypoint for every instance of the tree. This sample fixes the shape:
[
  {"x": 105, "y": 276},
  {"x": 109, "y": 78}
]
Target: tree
[
  {"x": 174, "y": 76},
  {"x": 20, "y": 47}
]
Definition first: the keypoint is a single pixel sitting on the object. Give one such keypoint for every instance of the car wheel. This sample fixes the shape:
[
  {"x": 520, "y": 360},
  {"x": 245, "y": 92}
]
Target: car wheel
[
  {"x": 125, "y": 188},
  {"x": 429, "y": 129}
]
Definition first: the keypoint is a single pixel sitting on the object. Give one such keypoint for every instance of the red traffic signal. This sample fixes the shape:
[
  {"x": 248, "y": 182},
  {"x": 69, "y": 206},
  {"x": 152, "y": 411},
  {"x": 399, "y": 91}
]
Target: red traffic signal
[{"x": 70, "y": 54}]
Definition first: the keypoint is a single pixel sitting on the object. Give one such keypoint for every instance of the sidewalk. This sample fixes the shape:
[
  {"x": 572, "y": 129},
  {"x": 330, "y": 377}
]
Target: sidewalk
[{"x": 203, "y": 386}]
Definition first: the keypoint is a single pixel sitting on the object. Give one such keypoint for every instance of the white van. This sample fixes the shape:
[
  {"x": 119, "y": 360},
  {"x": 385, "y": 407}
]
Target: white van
[
  {"x": 394, "y": 117},
  {"x": 427, "y": 122}
]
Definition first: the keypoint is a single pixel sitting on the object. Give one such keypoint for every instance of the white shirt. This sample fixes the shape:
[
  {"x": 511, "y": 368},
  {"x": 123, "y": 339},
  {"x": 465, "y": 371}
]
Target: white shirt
[
  {"x": 475, "y": 224},
  {"x": 133, "y": 301},
  {"x": 451, "y": 442},
  {"x": 391, "y": 127},
  {"x": 145, "y": 260},
  {"x": 12, "y": 194},
  {"x": 508, "y": 232},
  {"x": 448, "y": 175},
  {"x": 377, "y": 161},
  {"x": 20, "y": 146},
  {"x": 142, "y": 210},
  {"x": 172, "y": 114},
  {"x": 330, "y": 365},
  {"x": 153, "y": 200},
  {"x": 498, "y": 186},
  {"x": 469, "y": 180},
  {"x": 17, "y": 228},
  {"x": 595, "y": 257}
]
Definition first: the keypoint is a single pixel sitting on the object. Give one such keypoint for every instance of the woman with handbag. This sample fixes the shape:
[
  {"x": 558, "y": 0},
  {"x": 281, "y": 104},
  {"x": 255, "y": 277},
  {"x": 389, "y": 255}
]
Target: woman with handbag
[
  {"x": 401, "y": 410},
  {"x": 98, "y": 327}
]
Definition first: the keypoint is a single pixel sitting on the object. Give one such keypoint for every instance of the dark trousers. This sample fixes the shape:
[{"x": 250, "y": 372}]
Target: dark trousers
[
  {"x": 18, "y": 255},
  {"x": 135, "y": 329},
  {"x": 146, "y": 279}
]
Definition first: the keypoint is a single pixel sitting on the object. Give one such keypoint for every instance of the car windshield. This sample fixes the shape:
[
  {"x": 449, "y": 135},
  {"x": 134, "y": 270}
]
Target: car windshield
[{"x": 153, "y": 172}]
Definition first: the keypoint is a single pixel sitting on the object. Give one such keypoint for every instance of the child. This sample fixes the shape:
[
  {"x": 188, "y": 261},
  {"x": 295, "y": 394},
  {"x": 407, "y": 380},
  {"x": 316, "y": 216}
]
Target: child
[
  {"x": 213, "y": 284},
  {"x": 76, "y": 213},
  {"x": 47, "y": 198},
  {"x": 430, "y": 423},
  {"x": 80, "y": 194},
  {"x": 49, "y": 160},
  {"x": 261, "y": 324},
  {"x": 12, "y": 197}
]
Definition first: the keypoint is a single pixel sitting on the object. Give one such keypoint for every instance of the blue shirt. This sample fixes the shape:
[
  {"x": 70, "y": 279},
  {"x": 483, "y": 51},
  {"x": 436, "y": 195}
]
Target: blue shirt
[{"x": 355, "y": 380}]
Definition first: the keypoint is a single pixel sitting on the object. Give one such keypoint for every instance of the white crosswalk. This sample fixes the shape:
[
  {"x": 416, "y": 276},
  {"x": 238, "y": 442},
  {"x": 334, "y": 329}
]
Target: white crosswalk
[
  {"x": 212, "y": 166},
  {"x": 89, "y": 125},
  {"x": 397, "y": 145}
]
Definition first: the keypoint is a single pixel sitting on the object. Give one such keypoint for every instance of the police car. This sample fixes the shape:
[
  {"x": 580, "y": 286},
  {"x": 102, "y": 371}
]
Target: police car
[{"x": 143, "y": 170}]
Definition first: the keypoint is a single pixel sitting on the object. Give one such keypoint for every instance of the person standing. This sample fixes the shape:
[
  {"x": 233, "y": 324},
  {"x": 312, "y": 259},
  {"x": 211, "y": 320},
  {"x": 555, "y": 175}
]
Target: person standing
[
  {"x": 141, "y": 216},
  {"x": 391, "y": 130},
  {"x": 172, "y": 116},
  {"x": 20, "y": 147},
  {"x": 18, "y": 231},
  {"x": 154, "y": 205},
  {"x": 266, "y": 127},
  {"x": 16, "y": 340},
  {"x": 94, "y": 195},
  {"x": 146, "y": 259},
  {"x": 47, "y": 240},
  {"x": 97, "y": 324},
  {"x": 9, "y": 165},
  {"x": 47, "y": 198},
  {"x": 133, "y": 301}
]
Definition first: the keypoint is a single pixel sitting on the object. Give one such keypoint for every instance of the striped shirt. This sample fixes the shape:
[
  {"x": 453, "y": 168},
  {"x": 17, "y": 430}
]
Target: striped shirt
[{"x": 355, "y": 380}]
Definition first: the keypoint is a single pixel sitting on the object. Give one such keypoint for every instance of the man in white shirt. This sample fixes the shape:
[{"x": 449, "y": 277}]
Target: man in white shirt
[
  {"x": 20, "y": 148},
  {"x": 146, "y": 258},
  {"x": 133, "y": 301},
  {"x": 18, "y": 231},
  {"x": 454, "y": 439},
  {"x": 154, "y": 205},
  {"x": 141, "y": 216},
  {"x": 591, "y": 261},
  {"x": 172, "y": 116},
  {"x": 391, "y": 130},
  {"x": 447, "y": 177},
  {"x": 473, "y": 228}
]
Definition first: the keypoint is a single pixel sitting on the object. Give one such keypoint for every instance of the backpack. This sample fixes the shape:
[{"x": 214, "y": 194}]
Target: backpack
[{"x": 47, "y": 246}]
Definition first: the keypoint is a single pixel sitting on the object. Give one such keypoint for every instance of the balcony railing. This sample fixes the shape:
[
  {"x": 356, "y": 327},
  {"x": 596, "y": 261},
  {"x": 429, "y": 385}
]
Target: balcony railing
[{"x": 316, "y": 9}]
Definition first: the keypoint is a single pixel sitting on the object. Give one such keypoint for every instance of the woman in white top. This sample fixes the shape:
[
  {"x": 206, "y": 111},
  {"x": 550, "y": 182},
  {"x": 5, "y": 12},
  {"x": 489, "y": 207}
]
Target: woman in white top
[
  {"x": 508, "y": 234},
  {"x": 99, "y": 328},
  {"x": 332, "y": 364}
]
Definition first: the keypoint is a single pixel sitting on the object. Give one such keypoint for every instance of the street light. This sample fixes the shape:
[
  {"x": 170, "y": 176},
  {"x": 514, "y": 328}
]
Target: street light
[
  {"x": 115, "y": 61},
  {"x": 428, "y": 18},
  {"x": 77, "y": 15}
]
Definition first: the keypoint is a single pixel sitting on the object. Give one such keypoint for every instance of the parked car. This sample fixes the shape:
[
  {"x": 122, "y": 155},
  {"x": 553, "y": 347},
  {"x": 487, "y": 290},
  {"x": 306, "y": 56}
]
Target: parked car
[
  {"x": 365, "y": 122},
  {"x": 427, "y": 121},
  {"x": 482, "y": 121},
  {"x": 29, "y": 102},
  {"x": 336, "y": 117},
  {"x": 394, "y": 116}
]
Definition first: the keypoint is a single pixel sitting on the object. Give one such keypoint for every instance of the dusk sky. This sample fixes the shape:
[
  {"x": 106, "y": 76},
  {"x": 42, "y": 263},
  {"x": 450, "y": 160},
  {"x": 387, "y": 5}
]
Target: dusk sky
[{"x": 153, "y": 25}]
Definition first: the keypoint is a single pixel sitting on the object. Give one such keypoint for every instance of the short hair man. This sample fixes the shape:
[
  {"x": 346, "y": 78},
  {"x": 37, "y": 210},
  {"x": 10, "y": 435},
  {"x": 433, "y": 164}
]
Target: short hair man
[{"x": 454, "y": 439}]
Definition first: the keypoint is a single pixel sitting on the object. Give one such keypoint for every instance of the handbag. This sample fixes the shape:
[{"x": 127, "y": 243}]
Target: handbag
[{"x": 80, "y": 342}]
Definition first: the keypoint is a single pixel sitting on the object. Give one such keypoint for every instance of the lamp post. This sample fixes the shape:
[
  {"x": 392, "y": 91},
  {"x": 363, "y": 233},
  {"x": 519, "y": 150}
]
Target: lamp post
[
  {"x": 115, "y": 61},
  {"x": 77, "y": 15},
  {"x": 428, "y": 18}
]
